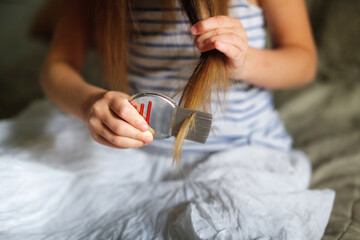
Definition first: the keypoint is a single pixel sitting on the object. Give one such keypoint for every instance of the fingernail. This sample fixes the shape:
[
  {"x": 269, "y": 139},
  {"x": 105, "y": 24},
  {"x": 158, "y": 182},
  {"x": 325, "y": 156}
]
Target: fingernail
[
  {"x": 147, "y": 140},
  {"x": 144, "y": 127},
  {"x": 193, "y": 30},
  {"x": 152, "y": 131}
]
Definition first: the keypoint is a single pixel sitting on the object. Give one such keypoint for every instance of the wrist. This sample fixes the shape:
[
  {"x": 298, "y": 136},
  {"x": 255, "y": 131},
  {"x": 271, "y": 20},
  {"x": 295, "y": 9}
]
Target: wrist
[
  {"x": 92, "y": 96},
  {"x": 245, "y": 73},
  {"x": 240, "y": 70}
]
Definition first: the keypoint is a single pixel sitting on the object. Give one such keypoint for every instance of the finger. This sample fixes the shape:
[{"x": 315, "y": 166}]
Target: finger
[
  {"x": 206, "y": 37},
  {"x": 123, "y": 108},
  {"x": 212, "y": 23},
  {"x": 229, "y": 38},
  {"x": 124, "y": 129},
  {"x": 228, "y": 49},
  {"x": 119, "y": 141},
  {"x": 135, "y": 103},
  {"x": 98, "y": 138}
]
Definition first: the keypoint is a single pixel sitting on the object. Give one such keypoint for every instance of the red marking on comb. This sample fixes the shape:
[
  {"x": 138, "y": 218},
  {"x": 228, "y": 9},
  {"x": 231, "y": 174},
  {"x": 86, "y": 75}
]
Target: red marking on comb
[
  {"x": 142, "y": 109},
  {"x": 148, "y": 113}
]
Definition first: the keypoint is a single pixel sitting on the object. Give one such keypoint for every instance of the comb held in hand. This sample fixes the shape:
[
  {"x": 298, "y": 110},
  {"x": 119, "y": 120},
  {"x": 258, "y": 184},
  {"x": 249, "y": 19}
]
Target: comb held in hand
[{"x": 165, "y": 117}]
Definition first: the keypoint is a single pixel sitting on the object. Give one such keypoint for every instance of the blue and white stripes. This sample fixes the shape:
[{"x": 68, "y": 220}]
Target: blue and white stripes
[{"x": 162, "y": 56}]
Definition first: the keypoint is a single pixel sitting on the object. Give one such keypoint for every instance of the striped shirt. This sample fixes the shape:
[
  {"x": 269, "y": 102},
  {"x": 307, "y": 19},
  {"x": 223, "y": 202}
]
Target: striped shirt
[{"x": 162, "y": 57}]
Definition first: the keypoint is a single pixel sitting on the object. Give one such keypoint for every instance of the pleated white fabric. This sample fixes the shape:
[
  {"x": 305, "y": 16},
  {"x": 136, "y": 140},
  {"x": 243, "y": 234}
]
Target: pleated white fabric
[{"x": 57, "y": 183}]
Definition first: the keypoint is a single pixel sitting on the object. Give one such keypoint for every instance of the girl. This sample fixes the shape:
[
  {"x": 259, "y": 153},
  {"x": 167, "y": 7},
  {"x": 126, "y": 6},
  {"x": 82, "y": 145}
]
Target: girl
[
  {"x": 161, "y": 57},
  {"x": 245, "y": 183}
]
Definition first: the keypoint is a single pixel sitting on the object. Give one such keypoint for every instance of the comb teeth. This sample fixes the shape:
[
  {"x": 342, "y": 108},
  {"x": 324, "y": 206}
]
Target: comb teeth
[{"x": 200, "y": 131}]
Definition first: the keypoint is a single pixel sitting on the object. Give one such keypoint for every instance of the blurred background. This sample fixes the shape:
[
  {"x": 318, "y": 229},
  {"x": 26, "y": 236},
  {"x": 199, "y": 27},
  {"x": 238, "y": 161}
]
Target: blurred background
[{"x": 323, "y": 118}]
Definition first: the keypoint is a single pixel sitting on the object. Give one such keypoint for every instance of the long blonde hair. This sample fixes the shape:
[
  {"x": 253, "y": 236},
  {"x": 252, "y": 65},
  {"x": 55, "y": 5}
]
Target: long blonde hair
[{"x": 210, "y": 73}]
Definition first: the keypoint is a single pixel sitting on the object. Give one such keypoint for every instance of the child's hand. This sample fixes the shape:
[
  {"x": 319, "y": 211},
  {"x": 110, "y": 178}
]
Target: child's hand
[
  {"x": 114, "y": 122},
  {"x": 225, "y": 34}
]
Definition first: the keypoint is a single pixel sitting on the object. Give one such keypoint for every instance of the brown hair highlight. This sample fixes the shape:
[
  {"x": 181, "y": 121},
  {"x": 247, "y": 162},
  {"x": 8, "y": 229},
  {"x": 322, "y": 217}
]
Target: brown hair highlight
[
  {"x": 112, "y": 38},
  {"x": 210, "y": 73}
]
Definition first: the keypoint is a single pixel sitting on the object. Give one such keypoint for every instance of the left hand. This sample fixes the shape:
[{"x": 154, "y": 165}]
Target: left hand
[{"x": 227, "y": 35}]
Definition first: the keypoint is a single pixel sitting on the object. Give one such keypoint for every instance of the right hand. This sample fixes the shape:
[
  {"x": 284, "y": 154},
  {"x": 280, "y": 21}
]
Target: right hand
[{"x": 114, "y": 122}]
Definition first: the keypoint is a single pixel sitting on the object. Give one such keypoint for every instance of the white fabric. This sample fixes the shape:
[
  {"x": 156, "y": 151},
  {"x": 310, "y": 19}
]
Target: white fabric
[{"x": 57, "y": 183}]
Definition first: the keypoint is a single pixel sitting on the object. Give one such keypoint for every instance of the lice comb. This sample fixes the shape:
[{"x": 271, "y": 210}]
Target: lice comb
[
  {"x": 202, "y": 125},
  {"x": 165, "y": 117}
]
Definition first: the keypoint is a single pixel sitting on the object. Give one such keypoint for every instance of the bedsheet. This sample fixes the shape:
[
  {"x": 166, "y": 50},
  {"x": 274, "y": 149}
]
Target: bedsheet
[
  {"x": 324, "y": 119},
  {"x": 57, "y": 183}
]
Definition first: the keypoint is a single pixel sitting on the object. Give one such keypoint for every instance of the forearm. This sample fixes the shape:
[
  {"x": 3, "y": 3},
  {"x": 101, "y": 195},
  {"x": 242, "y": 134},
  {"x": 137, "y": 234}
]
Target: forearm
[
  {"x": 286, "y": 67},
  {"x": 66, "y": 88}
]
